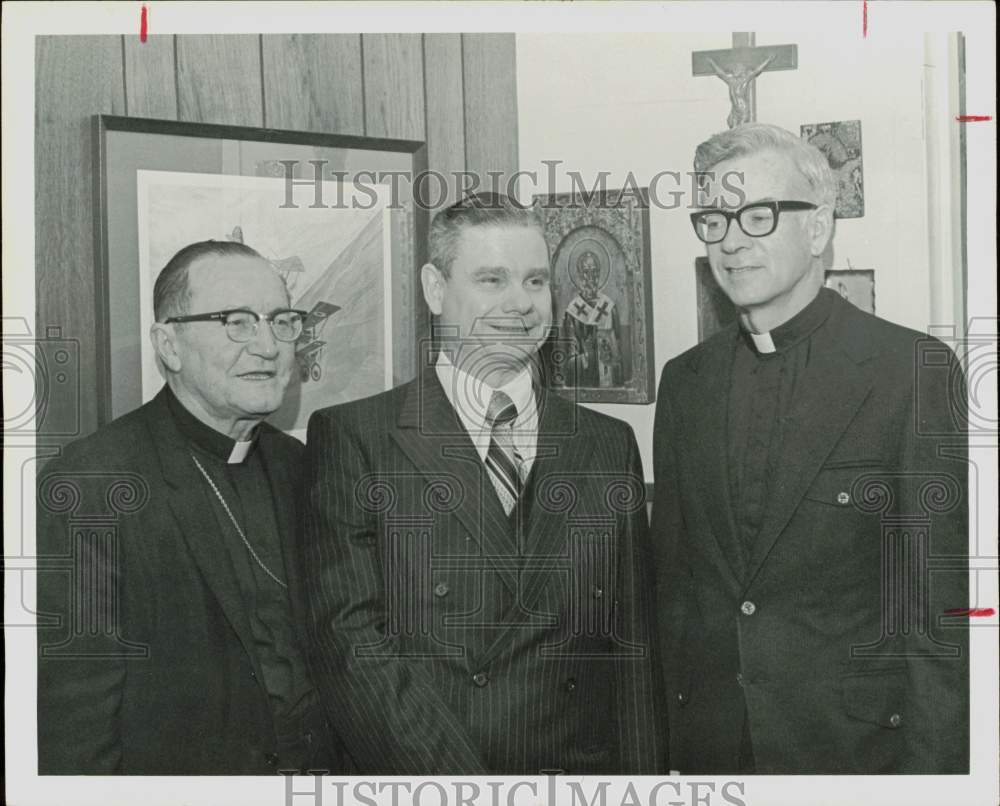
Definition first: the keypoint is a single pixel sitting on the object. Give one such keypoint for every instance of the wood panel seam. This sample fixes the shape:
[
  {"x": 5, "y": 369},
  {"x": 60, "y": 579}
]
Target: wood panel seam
[
  {"x": 465, "y": 110},
  {"x": 364, "y": 88},
  {"x": 177, "y": 80},
  {"x": 263, "y": 88},
  {"x": 124, "y": 77}
]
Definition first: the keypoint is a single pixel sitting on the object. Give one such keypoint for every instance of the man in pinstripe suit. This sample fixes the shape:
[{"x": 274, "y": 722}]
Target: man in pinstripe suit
[{"x": 474, "y": 548}]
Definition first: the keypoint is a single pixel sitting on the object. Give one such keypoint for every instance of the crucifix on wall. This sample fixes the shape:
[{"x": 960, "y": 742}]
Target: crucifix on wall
[{"x": 739, "y": 68}]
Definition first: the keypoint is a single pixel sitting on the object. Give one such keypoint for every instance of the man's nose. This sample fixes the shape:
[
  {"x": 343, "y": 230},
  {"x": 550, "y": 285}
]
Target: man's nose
[
  {"x": 263, "y": 342},
  {"x": 735, "y": 237},
  {"x": 518, "y": 300}
]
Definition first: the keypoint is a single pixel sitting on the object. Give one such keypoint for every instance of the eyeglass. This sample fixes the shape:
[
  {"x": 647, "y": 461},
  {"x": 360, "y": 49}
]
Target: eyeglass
[
  {"x": 756, "y": 220},
  {"x": 241, "y": 325}
]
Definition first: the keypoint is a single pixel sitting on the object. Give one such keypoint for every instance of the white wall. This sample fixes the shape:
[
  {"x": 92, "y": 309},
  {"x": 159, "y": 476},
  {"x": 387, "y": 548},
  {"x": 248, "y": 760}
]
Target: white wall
[{"x": 621, "y": 102}]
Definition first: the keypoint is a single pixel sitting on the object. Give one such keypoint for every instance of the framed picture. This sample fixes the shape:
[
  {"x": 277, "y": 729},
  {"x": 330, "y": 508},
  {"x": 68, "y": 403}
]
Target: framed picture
[
  {"x": 840, "y": 142},
  {"x": 857, "y": 286},
  {"x": 715, "y": 311},
  {"x": 602, "y": 301},
  {"x": 333, "y": 214}
]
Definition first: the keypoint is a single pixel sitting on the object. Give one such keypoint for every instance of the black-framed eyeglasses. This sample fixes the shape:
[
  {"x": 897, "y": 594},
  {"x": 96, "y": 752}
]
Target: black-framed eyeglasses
[
  {"x": 756, "y": 220},
  {"x": 241, "y": 324}
]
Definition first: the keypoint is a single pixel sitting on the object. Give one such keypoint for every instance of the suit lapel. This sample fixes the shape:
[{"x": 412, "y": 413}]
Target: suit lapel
[
  {"x": 833, "y": 387},
  {"x": 435, "y": 440},
  {"x": 562, "y": 455},
  {"x": 193, "y": 511},
  {"x": 707, "y": 453}
]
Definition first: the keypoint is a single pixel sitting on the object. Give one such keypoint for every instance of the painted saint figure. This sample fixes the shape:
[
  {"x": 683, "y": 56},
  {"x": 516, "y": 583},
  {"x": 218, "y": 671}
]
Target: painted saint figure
[{"x": 591, "y": 323}]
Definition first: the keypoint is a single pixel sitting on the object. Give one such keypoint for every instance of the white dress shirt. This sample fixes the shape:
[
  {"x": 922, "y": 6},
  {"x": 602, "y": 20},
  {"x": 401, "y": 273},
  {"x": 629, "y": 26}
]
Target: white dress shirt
[{"x": 470, "y": 398}]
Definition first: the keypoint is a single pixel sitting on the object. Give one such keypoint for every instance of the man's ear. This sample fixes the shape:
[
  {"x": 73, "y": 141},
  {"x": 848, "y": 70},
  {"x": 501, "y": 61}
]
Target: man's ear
[
  {"x": 433, "y": 282},
  {"x": 821, "y": 229},
  {"x": 164, "y": 340}
]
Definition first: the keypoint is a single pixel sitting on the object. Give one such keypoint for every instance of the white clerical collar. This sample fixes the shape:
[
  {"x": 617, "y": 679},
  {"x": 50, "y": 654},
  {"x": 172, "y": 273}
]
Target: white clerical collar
[
  {"x": 239, "y": 452},
  {"x": 763, "y": 342}
]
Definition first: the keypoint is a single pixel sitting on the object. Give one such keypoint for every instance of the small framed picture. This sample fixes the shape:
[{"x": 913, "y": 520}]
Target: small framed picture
[
  {"x": 840, "y": 142},
  {"x": 857, "y": 286}
]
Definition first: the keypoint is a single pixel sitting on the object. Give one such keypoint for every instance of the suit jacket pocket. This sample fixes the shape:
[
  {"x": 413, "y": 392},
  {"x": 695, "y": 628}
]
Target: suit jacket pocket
[
  {"x": 835, "y": 485},
  {"x": 876, "y": 698}
]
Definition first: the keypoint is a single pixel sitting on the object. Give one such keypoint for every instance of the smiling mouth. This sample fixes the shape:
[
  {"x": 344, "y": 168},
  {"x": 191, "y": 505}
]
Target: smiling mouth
[
  {"x": 517, "y": 329},
  {"x": 741, "y": 269},
  {"x": 263, "y": 375}
]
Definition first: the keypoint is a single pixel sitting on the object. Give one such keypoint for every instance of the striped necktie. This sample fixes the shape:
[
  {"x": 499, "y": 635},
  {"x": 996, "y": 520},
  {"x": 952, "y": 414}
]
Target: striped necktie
[{"x": 503, "y": 461}]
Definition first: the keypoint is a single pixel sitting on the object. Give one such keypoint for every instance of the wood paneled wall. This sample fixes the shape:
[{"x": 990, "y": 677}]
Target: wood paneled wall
[{"x": 457, "y": 92}]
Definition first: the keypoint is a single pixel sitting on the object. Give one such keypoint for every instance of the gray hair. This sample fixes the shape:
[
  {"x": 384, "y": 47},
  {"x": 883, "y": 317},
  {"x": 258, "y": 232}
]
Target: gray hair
[
  {"x": 753, "y": 138},
  {"x": 171, "y": 292},
  {"x": 476, "y": 210}
]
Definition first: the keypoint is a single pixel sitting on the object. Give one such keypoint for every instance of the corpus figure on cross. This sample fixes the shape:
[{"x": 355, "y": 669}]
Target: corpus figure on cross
[{"x": 738, "y": 80}]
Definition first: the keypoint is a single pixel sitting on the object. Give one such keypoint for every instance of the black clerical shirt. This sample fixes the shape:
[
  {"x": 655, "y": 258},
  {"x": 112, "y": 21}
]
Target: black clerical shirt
[
  {"x": 246, "y": 489},
  {"x": 763, "y": 390}
]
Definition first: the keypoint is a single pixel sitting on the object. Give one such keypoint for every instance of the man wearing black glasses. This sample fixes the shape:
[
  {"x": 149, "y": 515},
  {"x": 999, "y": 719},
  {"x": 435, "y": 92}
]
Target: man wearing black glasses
[
  {"x": 172, "y": 644},
  {"x": 810, "y": 470}
]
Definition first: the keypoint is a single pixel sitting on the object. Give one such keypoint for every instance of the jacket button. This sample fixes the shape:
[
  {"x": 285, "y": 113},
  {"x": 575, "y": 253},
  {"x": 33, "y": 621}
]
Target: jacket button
[
  {"x": 441, "y": 589},
  {"x": 271, "y": 759},
  {"x": 681, "y": 698},
  {"x": 895, "y": 720},
  {"x": 571, "y": 684},
  {"x": 843, "y": 498},
  {"x": 598, "y": 592},
  {"x": 480, "y": 679},
  {"x": 739, "y": 678},
  {"x": 748, "y": 608}
]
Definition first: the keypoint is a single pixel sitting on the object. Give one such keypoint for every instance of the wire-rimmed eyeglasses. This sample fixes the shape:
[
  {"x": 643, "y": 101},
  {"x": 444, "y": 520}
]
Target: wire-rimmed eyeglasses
[
  {"x": 241, "y": 324},
  {"x": 756, "y": 220}
]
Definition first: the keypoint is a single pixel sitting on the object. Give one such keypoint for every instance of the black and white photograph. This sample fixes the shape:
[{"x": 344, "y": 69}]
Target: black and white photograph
[{"x": 432, "y": 404}]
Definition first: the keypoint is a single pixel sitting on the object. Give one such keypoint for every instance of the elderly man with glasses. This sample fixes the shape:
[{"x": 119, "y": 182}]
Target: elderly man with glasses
[
  {"x": 171, "y": 640},
  {"x": 810, "y": 508}
]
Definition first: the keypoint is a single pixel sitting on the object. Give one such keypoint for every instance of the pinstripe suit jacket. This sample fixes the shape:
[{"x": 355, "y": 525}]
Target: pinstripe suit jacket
[{"x": 446, "y": 640}]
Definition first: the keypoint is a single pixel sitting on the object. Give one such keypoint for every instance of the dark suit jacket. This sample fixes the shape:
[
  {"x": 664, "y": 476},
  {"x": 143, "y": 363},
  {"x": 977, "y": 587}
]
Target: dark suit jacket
[
  {"x": 837, "y": 672},
  {"x": 441, "y": 645},
  {"x": 144, "y": 665}
]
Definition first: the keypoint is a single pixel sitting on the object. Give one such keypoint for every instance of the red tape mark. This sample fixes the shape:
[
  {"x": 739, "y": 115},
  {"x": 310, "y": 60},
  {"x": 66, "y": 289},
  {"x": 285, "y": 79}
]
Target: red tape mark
[
  {"x": 973, "y": 118},
  {"x": 143, "y": 25},
  {"x": 976, "y": 612},
  {"x": 864, "y": 20}
]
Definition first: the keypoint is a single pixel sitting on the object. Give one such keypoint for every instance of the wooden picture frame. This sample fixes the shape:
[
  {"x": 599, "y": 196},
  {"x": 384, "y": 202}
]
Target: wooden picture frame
[
  {"x": 599, "y": 251},
  {"x": 157, "y": 181}
]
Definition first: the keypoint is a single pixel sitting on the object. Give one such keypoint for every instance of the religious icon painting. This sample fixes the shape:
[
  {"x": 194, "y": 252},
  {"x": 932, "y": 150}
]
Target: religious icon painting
[
  {"x": 601, "y": 350},
  {"x": 857, "y": 286},
  {"x": 840, "y": 142}
]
